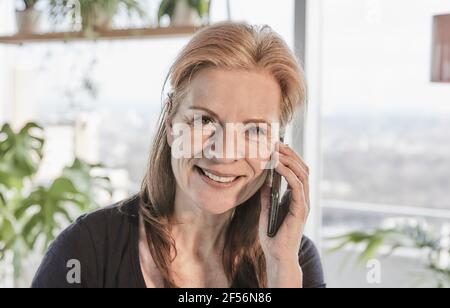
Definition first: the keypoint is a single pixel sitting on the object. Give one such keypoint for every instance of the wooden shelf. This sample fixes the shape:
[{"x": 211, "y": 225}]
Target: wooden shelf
[{"x": 119, "y": 34}]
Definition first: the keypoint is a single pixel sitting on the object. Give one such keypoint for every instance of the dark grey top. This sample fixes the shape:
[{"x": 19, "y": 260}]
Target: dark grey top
[{"x": 104, "y": 245}]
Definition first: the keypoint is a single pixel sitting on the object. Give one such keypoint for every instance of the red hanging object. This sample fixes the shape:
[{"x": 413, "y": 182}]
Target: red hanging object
[{"x": 440, "y": 71}]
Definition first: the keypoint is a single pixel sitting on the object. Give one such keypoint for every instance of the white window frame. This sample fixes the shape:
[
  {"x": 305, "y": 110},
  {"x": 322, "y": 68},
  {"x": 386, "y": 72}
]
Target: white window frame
[{"x": 306, "y": 137}]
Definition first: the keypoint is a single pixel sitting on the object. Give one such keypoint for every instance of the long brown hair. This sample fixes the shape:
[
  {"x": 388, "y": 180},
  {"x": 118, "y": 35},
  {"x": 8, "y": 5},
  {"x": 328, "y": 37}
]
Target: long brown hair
[{"x": 233, "y": 46}]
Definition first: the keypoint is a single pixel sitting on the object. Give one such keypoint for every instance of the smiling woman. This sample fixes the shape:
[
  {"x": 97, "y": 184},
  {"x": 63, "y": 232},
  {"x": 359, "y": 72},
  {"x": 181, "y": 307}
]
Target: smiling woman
[{"x": 201, "y": 220}]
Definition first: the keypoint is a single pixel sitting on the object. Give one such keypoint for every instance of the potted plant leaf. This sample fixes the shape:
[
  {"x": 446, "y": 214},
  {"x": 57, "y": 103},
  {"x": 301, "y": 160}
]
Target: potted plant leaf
[
  {"x": 95, "y": 15},
  {"x": 31, "y": 213},
  {"x": 185, "y": 12},
  {"x": 404, "y": 234},
  {"x": 28, "y": 18}
]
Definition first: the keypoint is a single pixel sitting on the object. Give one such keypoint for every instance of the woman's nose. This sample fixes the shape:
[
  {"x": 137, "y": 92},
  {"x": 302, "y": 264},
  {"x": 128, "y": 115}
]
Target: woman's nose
[{"x": 227, "y": 149}]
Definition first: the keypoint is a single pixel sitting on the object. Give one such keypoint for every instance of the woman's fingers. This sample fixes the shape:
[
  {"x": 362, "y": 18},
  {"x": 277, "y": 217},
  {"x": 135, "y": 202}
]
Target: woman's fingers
[
  {"x": 298, "y": 207},
  {"x": 295, "y": 160},
  {"x": 298, "y": 171},
  {"x": 294, "y": 170},
  {"x": 285, "y": 149}
]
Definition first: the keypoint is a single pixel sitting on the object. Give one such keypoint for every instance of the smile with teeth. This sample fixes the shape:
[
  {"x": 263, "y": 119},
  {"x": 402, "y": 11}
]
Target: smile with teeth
[{"x": 219, "y": 179}]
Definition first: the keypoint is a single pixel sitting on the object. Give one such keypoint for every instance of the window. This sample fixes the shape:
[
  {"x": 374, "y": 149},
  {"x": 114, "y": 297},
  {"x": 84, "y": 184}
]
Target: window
[
  {"x": 384, "y": 126},
  {"x": 376, "y": 133}
]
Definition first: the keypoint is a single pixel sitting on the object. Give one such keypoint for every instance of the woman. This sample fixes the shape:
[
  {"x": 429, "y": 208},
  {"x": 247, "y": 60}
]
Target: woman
[{"x": 201, "y": 220}]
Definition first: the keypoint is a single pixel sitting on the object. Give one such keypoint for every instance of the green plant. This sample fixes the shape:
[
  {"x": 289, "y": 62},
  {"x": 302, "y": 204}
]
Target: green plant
[
  {"x": 94, "y": 14},
  {"x": 167, "y": 8},
  {"x": 29, "y": 4},
  {"x": 33, "y": 213},
  {"x": 20, "y": 154},
  {"x": 405, "y": 234}
]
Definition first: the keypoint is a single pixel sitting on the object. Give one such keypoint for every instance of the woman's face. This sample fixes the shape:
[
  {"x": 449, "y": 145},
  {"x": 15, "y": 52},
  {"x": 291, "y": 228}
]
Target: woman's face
[{"x": 227, "y": 120}]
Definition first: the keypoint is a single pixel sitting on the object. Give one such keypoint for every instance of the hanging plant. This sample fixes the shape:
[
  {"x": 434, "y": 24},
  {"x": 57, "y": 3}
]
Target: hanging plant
[
  {"x": 28, "y": 18},
  {"x": 185, "y": 12},
  {"x": 94, "y": 15}
]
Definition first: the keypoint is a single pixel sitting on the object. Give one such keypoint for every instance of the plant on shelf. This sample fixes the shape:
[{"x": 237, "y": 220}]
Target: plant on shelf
[
  {"x": 404, "y": 234},
  {"x": 31, "y": 213},
  {"x": 185, "y": 12},
  {"x": 95, "y": 15},
  {"x": 29, "y": 4},
  {"x": 28, "y": 18}
]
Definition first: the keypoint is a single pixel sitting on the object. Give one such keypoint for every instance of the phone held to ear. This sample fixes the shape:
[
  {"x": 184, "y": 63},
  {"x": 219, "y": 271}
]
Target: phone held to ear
[{"x": 277, "y": 211}]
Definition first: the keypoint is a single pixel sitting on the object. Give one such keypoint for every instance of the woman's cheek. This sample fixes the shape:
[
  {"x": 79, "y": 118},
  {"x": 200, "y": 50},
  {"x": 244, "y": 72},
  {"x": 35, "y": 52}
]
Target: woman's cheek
[
  {"x": 180, "y": 168},
  {"x": 257, "y": 180}
]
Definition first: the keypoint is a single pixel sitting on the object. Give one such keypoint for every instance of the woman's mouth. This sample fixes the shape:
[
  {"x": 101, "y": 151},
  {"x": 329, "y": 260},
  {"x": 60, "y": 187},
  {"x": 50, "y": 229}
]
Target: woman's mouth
[{"x": 217, "y": 180}]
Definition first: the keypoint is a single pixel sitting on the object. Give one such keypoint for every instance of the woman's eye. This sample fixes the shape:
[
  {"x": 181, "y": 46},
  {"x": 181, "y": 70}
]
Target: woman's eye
[
  {"x": 203, "y": 120},
  {"x": 256, "y": 131},
  {"x": 206, "y": 120}
]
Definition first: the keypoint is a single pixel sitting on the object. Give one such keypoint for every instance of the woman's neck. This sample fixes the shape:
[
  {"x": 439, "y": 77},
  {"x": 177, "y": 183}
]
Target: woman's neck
[{"x": 196, "y": 232}]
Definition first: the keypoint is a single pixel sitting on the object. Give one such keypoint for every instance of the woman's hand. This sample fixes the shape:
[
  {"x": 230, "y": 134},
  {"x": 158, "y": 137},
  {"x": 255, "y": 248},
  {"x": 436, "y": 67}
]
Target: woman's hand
[{"x": 281, "y": 251}]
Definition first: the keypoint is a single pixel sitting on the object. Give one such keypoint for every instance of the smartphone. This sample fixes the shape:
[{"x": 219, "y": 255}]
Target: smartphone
[{"x": 277, "y": 211}]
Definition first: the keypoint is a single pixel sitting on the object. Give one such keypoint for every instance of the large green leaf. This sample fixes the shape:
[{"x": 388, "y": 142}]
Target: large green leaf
[
  {"x": 29, "y": 212},
  {"x": 20, "y": 154},
  {"x": 7, "y": 232},
  {"x": 47, "y": 203},
  {"x": 75, "y": 187},
  {"x": 80, "y": 174}
]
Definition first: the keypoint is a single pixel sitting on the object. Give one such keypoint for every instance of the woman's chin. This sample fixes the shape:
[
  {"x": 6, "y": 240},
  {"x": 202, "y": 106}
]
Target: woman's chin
[{"x": 215, "y": 207}]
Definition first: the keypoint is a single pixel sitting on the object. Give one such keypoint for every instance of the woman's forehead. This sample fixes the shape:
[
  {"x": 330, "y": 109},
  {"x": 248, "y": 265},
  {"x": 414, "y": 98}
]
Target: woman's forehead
[{"x": 247, "y": 93}]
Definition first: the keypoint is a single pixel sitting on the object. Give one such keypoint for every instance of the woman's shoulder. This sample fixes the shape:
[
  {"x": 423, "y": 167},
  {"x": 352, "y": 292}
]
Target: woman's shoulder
[
  {"x": 114, "y": 215},
  {"x": 103, "y": 223},
  {"x": 87, "y": 242},
  {"x": 311, "y": 264}
]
